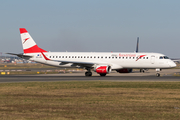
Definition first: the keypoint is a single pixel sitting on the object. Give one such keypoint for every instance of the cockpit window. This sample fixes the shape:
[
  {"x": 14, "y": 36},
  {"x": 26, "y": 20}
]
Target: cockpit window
[{"x": 163, "y": 57}]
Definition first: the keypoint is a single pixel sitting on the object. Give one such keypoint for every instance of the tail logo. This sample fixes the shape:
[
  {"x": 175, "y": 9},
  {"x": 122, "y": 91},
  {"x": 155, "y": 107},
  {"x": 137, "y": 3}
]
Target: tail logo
[{"x": 25, "y": 40}]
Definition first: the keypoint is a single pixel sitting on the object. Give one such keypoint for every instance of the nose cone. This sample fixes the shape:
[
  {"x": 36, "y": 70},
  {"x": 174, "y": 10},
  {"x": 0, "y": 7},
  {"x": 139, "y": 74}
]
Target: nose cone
[{"x": 172, "y": 64}]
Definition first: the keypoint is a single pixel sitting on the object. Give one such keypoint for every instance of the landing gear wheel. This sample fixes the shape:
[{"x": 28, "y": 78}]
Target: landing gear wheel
[
  {"x": 103, "y": 74},
  {"x": 142, "y": 70},
  {"x": 157, "y": 74},
  {"x": 88, "y": 73}
]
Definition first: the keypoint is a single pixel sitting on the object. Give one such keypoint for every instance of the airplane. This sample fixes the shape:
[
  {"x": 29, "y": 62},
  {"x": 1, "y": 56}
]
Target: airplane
[{"x": 100, "y": 62}]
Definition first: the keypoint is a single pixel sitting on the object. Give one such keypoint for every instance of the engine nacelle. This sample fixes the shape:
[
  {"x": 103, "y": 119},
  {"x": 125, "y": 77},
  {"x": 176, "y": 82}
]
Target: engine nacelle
[
  {"x": 102, "y": 69},
  {"x": 125, "y": 70}
]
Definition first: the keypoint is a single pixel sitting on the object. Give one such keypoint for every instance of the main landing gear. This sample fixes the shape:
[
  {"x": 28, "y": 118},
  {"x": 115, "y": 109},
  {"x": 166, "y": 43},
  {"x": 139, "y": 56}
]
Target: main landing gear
[
  {"x": 88, "y": 73},
  {"x": 158, "y": 72},
  {"x": 142, "y": 70}
]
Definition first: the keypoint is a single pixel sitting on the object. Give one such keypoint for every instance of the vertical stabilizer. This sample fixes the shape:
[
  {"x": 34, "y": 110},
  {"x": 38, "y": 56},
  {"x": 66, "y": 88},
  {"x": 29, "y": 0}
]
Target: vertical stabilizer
[{"x": 29, "y": 45}]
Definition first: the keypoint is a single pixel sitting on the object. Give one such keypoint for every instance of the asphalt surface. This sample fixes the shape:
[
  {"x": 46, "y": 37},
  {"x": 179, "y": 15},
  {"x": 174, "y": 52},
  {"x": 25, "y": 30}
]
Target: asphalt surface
[
  {"x": 82, "y": 78},
  {"x": 166, "y": 75}
]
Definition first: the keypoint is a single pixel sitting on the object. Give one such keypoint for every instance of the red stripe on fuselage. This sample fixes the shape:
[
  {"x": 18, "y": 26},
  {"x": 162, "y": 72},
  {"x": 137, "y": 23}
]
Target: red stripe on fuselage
[
  {"x": 140, "y": 57},
  {"x": 34, "y": 49},
  {"x": 45, "y": 56},
  {"x": 23, "y": 30}
]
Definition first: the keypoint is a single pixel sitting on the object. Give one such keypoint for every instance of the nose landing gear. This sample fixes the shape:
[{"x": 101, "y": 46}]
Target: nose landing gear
[{"x": 158, "y": 72}]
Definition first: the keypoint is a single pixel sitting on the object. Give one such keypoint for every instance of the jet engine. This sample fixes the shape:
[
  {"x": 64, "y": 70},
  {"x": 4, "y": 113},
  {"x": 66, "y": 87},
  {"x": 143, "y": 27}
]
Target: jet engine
[
  {"x": 125, "y": 70},
  {"x": 102, "y": 69}
]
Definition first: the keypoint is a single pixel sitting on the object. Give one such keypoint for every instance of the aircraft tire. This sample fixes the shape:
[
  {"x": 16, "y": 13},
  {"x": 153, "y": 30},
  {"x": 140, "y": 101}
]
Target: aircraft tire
[
  {"x": 157, "y": 74},
  {"x": 88, "y": 73},
  {"x": 103, "y": 74}
]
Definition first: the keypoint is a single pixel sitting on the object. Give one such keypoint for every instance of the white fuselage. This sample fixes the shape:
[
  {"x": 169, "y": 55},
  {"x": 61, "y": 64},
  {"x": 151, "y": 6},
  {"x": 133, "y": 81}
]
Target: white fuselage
[{"x": 115, "y": 60}]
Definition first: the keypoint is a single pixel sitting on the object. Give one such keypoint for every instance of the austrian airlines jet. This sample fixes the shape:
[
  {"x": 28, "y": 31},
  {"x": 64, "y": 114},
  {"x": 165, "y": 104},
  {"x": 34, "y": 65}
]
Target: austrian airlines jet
[{"x": 101, "y": 62}]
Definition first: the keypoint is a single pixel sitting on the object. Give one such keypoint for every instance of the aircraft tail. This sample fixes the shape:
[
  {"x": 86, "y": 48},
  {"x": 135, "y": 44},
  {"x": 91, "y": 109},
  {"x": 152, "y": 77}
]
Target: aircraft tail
[{"x": 29, "y": 45}]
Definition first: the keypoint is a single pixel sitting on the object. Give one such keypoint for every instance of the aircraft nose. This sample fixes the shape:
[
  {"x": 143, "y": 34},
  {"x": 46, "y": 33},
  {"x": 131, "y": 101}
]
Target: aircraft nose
[{"x": 172, "y": 64}]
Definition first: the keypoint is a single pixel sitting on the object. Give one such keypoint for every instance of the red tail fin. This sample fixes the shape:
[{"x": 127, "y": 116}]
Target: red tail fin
[{"x": 29, "y": 45}]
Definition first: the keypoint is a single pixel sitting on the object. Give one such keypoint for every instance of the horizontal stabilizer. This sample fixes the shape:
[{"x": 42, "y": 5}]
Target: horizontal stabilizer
[{"x": 20, "y": 55}]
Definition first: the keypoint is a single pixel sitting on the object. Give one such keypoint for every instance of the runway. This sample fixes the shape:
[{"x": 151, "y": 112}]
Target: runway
[{"x": 167, "y": 75}]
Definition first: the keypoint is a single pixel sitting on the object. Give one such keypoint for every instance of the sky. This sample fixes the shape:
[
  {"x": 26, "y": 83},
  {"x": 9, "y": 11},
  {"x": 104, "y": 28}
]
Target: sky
[{"x": 92, "y": 25}]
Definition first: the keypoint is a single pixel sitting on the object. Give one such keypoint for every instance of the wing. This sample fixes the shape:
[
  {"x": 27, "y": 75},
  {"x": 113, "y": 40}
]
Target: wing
[{"x": 75, "y": 63}]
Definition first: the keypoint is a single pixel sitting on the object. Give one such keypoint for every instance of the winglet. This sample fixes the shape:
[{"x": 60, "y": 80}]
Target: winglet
[{"x": 137, "y": 47}]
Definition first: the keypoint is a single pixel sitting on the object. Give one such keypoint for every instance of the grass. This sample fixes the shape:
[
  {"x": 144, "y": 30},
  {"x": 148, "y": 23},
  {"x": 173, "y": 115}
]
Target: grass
[
  {"x": 90, "y": 100},
  {"x": 31, "y": 72},
  {"x": 23, "y": 66},
  {"x": 23, "y": 69}
]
